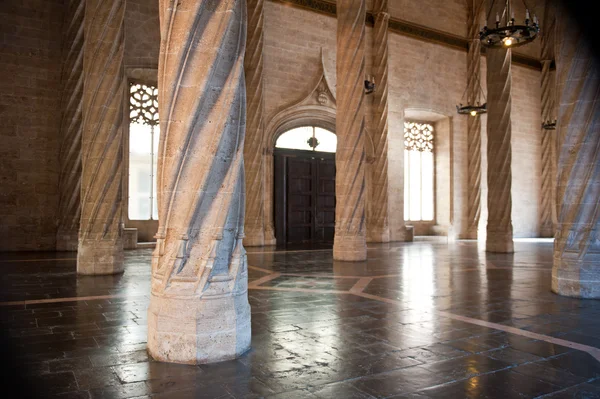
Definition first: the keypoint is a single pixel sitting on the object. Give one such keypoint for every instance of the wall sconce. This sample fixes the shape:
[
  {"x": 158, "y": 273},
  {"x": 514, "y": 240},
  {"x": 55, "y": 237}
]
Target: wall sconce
[{"x": 369, "y": 85}]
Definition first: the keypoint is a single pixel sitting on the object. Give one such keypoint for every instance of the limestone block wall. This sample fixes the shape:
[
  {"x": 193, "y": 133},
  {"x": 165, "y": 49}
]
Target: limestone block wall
[
  {"x": 449, "y": 16},
  {"x": 425, "y": 76},
  {"x": 30, "y": 66},
  {"x": 526, "y": 147},
  {"x": 142, "y": 34},
  {"x": 292, "y": 42}
]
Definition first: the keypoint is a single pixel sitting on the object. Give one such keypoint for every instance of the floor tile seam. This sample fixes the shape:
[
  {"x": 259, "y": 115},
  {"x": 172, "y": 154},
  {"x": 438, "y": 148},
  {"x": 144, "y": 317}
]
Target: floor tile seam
[
  {"x": 595, "y": 352},
  {"x": 263, "y": 280},
  {"x": 68, "y": 299},
  {"x": 424, "y": 390},
  {"x": 550, "y": 394}
]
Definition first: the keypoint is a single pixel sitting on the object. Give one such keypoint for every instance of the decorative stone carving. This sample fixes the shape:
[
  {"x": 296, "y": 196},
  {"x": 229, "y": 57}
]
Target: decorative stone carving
[
  {"x": 576, "y": 270},
  {"x": 377, "y": 217},
  {"x": 69, "y": 211},
  {"x": 100, "y": 235},
  {"x": 350, "y": 238},
  {"x": 473, "y": 122},
  {"x": 199, "y": 309},
  {"x": 499, "y": 175},
  {"x": 255, "y": 127},
  {"x": 548, "y": 191}
]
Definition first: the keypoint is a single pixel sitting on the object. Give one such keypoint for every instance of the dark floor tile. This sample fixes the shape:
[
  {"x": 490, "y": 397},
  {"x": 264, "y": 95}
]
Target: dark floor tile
[
  {"x": 154, "y": 370},
  {"x": 577, "y": 363},
  {"x": 464, "y": 367},
  {"x": 512, "y": 356},
  {"x": 96, "y": 378},
  {"x": 399, "y": 381},
  {"x": 339, "y": 390},
  {"x": 120, "y": 391},
  {"x": 545, "y": 371},
  {"x": 582, "y": 391},
  {"x": 296, "y": 394},
  {"x": 76, "y": 363},
  {"x": 55, "y": 383}
]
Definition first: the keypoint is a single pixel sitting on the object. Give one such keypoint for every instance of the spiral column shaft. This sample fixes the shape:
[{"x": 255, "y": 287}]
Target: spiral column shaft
[
  {"x": 199, "y": 311},
  {"x": 100, "y": 235},
  {"x": 350, "y": 238},
  {"x": 548, "y": 216},
  {"x": 378, "y": 202},
  {"x": 473, "y": 122},
  {"x": 576, "y": 270},
  {"x": 69, "y": 211},
  {"x": 255, "y": 127},
  {"x": 499, "y": 153}
]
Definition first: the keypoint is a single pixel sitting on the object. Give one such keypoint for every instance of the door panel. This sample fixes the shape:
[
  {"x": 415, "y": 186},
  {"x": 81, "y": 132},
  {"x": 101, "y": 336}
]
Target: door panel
[{"x": 304, "y": 197}]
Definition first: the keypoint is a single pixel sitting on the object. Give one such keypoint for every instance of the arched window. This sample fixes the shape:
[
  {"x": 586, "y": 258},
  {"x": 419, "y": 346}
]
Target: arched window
[
  {"x": 309, "y": 138},
  {"x": 418, "y": 172},
  {"x": 144, "y": 132}
]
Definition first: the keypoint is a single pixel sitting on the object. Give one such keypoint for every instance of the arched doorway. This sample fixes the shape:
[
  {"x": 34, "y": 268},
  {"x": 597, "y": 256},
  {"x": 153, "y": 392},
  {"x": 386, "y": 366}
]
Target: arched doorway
[{"x": 304, "y": 187}]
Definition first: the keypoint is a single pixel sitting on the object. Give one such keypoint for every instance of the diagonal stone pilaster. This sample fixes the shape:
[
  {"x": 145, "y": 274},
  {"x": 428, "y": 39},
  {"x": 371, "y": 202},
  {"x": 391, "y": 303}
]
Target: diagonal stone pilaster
[
  {"x": 499, "y": 153},
  {"x": 69, "y": 211},
  {"x": 199, "y": 311},
  {"x": 576, "y": 270},
  {"x": 548, "y": 137},
  {"x": 350, "y": 238},
  {"x": 377, "y": 218},
  {"x": 100, "y": 235},
  {"x": 473, "y": 122},
  {"x": 255, "y": 128}
]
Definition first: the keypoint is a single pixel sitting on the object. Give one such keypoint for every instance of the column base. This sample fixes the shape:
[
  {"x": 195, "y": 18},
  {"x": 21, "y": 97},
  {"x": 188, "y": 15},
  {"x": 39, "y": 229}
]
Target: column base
[
  {"x": 254, "y": 237},
  {"x": 576, "y": 278},
  {"x": 499, "y": 243},
  {"x": 67, "y": 240},
  {"x": 547, "y": 231},
  {"x": 198, "y": 330},
  {"x": 470, "y": 234},
  {"x": 378, "y": 235},
  {"x": 352, "y": 249},
  {"x": 97, "y": 257},
  {"x": 270, "y": 236}
]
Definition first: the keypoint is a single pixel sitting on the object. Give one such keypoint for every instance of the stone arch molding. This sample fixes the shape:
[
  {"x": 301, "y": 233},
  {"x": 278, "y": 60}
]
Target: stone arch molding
[{"x": 316, "y": 109}]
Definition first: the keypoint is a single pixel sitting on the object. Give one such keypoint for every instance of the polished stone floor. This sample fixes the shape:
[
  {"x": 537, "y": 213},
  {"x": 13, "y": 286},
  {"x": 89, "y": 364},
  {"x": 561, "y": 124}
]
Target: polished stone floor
[{"x": 418, "y": 320}]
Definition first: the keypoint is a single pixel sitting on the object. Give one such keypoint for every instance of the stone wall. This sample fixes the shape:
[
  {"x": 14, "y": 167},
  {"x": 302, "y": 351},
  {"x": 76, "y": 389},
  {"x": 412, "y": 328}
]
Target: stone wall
[
  {"x": 30, "y": 88},
  {"x": 425, "y": 76},
  {"x": 142, "y": 34}
]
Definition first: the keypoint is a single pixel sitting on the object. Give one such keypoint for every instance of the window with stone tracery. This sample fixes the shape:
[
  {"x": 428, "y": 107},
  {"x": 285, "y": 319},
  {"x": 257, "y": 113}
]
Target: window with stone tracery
[
  {"x": 418, "y": 172},
  {"x": 144, "y": 132}
]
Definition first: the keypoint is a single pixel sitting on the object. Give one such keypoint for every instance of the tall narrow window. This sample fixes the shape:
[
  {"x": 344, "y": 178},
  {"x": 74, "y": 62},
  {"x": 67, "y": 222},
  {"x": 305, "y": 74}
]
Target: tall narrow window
[
  {"x": 144, "y": 132},
  {"x": 418, "y": 172}
]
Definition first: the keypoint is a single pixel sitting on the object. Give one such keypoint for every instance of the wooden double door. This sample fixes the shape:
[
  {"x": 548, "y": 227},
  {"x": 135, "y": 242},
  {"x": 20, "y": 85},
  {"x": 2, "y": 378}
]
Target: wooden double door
[{"x": 304, "y": 197}]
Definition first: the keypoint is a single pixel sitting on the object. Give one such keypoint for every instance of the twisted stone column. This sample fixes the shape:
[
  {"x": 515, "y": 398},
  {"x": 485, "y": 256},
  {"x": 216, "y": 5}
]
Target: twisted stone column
[
  {"x": 499, "y": 155},
  {"x": 548, "y": 191},
  {"x": 255, "y": 127},
  {"x": 199, "y": 309},
  {"x": 576, "y": 270},
  {"x": 378, "y": 201},
  {"x": 100, "y": 234},
  {"x": 350, "y": 241},
  {"x": 473, "y": 122},
  {"x": 69, "y": 210}
]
